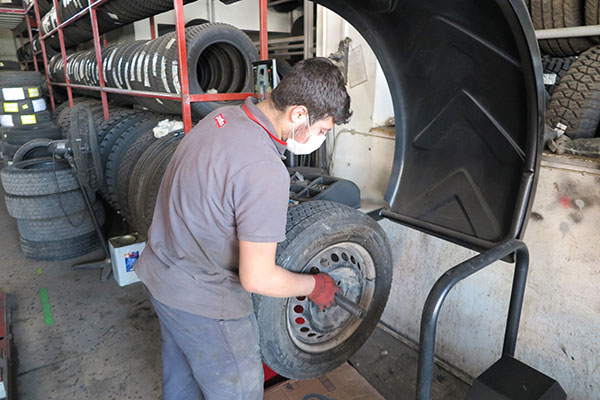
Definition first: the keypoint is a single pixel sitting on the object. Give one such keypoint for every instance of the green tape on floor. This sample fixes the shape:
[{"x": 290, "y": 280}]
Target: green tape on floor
[
  {"x": 39, "y": 271},
  {"x": 46, "y": 306}
]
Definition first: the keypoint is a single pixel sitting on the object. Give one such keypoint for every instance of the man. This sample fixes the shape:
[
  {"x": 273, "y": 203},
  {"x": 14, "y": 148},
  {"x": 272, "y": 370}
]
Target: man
[{"x": 221, "y": 210}]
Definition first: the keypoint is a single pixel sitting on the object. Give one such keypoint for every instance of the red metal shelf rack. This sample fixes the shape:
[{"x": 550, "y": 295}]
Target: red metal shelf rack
[
  {"x": 24, "y": 12},
  {"x": 185, "y": 97}
]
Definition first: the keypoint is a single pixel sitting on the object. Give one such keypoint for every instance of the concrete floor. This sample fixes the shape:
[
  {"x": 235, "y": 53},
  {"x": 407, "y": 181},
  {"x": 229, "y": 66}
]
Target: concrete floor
[{"x": 105, "y": 340}]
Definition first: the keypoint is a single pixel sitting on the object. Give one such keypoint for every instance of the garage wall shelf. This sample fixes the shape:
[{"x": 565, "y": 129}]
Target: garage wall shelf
[{"x": 186, "y": 98}]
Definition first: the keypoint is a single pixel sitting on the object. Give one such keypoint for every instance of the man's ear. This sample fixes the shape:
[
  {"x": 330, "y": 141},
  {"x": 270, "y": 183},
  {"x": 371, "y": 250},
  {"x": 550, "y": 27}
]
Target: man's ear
[{"x": 298, "y": 114}]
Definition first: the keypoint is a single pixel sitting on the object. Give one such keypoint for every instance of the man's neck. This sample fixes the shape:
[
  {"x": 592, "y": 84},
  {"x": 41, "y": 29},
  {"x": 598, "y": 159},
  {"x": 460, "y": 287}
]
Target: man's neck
[{"x": 273, "y": 114}]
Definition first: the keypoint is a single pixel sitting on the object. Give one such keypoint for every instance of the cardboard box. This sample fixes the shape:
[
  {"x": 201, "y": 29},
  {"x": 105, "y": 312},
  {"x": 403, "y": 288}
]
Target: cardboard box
[{"x": 345, "y": 383}]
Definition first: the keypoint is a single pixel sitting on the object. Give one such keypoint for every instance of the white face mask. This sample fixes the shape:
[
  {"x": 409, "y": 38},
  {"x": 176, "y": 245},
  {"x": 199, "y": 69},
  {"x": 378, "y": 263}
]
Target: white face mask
[{"x": 313, "y": 143}]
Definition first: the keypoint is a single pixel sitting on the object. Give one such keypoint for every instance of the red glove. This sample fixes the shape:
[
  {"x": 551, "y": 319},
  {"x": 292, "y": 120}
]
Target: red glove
[{"x": 324, "y": 291}]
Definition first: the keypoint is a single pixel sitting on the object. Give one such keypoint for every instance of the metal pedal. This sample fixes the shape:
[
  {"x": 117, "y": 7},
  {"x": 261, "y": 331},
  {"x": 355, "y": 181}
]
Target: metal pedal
[{"x": 510, "y": 379}]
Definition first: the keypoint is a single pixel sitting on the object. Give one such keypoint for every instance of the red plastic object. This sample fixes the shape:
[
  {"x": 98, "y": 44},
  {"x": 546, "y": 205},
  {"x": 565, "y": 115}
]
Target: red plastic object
[{"x": 269, "y": 373}]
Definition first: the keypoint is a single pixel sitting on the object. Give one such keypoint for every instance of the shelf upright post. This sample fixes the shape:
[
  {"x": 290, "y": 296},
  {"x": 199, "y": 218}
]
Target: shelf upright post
[
  {"x": 63, "y": 52},
  {"x": 183, "y": 67},
  {"x": 35, "y": 64},
  {"x": 20, "y": 35},
  {"x": 152, "y": 28},
  {"x": 44, "y": 54},
  {"x": 263, "y": 33},
  {"x": 98, "y": 49}
]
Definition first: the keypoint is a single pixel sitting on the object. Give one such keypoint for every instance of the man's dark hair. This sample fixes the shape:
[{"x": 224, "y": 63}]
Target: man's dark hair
[{"x": 318, "y": 85}]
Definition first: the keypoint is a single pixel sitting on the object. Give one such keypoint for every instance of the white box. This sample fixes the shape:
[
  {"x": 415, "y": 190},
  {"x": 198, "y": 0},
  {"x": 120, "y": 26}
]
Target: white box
[{"x": 124, "y": 252}]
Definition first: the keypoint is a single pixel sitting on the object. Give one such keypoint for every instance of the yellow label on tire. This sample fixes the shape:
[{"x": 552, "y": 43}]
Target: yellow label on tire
[
  {"x": 28, "y": 119},
  {"x": 10, "y": 107},
  {"x": 33, "y": 92}
]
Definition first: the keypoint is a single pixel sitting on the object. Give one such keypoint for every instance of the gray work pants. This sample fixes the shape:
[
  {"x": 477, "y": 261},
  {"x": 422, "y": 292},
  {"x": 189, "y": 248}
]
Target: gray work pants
[{"x": 209, "y": 359}]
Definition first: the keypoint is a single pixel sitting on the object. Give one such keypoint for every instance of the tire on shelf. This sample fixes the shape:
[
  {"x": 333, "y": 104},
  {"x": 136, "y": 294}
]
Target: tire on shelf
[
  {"x": 296, "y": 339},
  {"x": 128, "y": 162},
  {"x": 116, "y": 154},
  {"x": 38, "y": 177},
  {"x": 63, "y": 227},
  {"x": 549, "y": 14},
  {"x": 199, "y": 38},
  {"x": 575, "y": 102},
  {"x": 57, "y": 250},
  {"x": 554, "y": 69},
  {"x": 140, "y": 173},
  {"x": 152, "y": 181}
]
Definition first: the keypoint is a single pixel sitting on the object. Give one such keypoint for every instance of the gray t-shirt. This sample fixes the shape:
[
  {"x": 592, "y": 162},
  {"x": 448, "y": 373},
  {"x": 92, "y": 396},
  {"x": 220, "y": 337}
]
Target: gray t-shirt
[{"x": 225, "y": 183}]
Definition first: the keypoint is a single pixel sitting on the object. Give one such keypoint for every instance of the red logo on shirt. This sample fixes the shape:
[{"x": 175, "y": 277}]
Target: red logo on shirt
[{"x": 220, "y": 120}]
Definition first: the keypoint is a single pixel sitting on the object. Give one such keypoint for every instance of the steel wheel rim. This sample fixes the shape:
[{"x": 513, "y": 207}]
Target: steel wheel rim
[{"x": 314, "y": 331}]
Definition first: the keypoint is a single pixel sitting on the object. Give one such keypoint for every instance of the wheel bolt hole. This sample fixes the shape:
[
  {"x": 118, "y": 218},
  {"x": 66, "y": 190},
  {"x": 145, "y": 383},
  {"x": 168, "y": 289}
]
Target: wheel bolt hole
[
  {"x": 352, "y": 259},
  {"x": 324, "y": 262},
  {"x": 345, "y": 256},
  {"x": 311, "y": 334},
  {"x": 315, "y": 270},
  {"x": 339, "y": 283},
  {"x": 301, "y": 298},
  {"x": 335, "y": 258},
  {"x": 319, "y": 337},
  {"x": 300, "y": 320},
  {"x": 298, "y": 309},
  {"x": 358, "y": 264},
  {"x": 304, "y": 329}
]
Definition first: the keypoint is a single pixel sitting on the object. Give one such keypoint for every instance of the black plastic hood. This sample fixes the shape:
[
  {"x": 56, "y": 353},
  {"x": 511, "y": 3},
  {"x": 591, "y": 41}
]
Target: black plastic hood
[{"x": 466, "y": 82}]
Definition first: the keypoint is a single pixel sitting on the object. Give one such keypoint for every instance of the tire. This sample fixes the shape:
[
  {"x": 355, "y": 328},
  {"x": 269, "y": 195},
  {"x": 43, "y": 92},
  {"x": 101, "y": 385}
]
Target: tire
[
  {"x": 344, "y": 242},
  {"x": 22, "y": 135},
  {"x": 20, "y": 79},
  {"x": 592, "y": 16},
  {"x": 46, "y": 206},
  {"x": 199, "y": 38},
  {"x": 152, "y": 182},
  {"x": 8, "y": 150},
  {"x": 38, "y": 177},
  {"x": 57, "y": 250},
  {"x": 9, "y": 65},
  {"x": 120, "y": 128},
  {"x": 16, "y": 93},
  {"x": 117, "y": 152},
  {"x": 287, "y": 6},
  {"x": 140, "y": 173},
  {"x": 35, "y": 148},
  {"x": 576, "y": 100},
  {"x": 63, "y": 227},
  {"x": 548, "y": 14},
  {"x": 24, "y": 106},
  {"x": 25, "y": 120},
  {"x": 128, "y": 162},
  {"x": 554, "y": 69}
]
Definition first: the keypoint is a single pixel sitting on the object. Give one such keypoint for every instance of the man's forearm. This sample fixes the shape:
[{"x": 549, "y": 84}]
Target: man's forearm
[{"x": 279, "y": 282}]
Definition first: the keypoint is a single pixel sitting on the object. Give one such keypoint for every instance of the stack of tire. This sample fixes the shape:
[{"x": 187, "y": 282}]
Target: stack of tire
[
  {"x": 111, "y": 15},
  {"x": 134, "y": 161},
  {"x": 571, "y": 69},
  {"x": 44, "y": 196},
  {"x": 220, "y": 60},
  {"x": 24, "y": 115}
]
